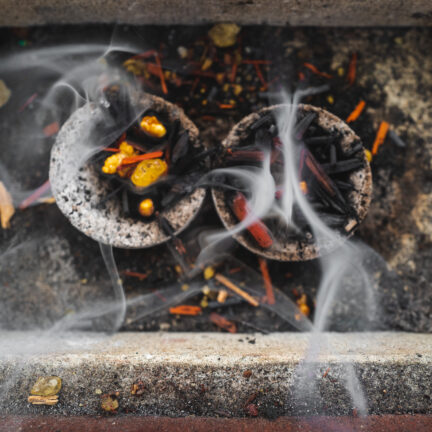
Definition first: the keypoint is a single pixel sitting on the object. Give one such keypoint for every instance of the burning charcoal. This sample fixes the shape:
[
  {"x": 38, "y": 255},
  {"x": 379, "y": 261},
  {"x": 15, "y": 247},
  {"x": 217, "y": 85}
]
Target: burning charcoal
[
  {"x": 180, "y": 148},
  {"x": 116, "y": 102},
  {"x": 303, "y": 125},
  {"x": 357, "y": 147},
  {"x": 333, "y": 155},
  {"x": 343, "y": 166},
  {"x": 321, "y": 140},
  {"x": 394, "y": 138},
  {"x": 343, "y": 185},
  {"x": 325, "y": 183},
  {"x": 263, "y": 138},
  {"x": 264, "y": 120}
]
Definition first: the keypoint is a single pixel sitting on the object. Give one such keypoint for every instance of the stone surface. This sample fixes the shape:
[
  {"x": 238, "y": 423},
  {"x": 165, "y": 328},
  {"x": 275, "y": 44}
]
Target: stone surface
[
  {"x": 292, "y": 12},
  {"x": 203, "y": 374}
]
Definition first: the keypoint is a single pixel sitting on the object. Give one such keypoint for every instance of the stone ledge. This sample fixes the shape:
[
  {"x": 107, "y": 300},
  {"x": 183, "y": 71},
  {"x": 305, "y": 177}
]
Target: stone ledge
[
  {"x": 202, "y": 374},
  {"x": 278, "y": 12}
]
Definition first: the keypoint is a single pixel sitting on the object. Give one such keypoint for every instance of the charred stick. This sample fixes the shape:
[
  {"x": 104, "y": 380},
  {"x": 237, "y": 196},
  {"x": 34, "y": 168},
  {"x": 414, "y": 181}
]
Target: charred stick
[
  {"x": 264, "y": 120},
  {"x": 181, "y": 148},
  {"x": 303, "y": 125},
  {"x": 333, "y": 155},
  {"x": 321, "y": 140},
  {"x": 357, "y": 147},
  {"x": 323, "y": 179},
  {"x": 394, "y": 138},
  {"x": 342, "y": 166}
]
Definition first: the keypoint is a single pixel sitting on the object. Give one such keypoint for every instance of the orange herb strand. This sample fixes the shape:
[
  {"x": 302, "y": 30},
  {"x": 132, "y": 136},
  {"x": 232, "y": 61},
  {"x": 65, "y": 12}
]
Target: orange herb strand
[
  {"x": 139, "y": 158},
  {"x": 316, "y": 71},
  {"x": 110, "y": 149},
  {"x": 264, "y": 62},
  {"x": 380, "y": 137},
  {"x": 356, "y": 112},
  {"x": 161, "y": 75},
  {"x": 222, "y": 322},
  {"x": 260, "y": 75},
  {"x": 351, "y": 75},
  {"x": 267, "y": 281},
  {"x": 140, "y": 276},
  {"x": 185, "y": 310},
  {"x": 233, "y": 72},
  {"x": 226, "y": 106}
]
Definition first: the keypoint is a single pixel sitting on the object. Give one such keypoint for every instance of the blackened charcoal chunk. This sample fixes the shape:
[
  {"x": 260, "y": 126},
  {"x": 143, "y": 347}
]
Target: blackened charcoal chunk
[
  {"x": 263, "y": 138},
  {"x": 115, "y": 101}
]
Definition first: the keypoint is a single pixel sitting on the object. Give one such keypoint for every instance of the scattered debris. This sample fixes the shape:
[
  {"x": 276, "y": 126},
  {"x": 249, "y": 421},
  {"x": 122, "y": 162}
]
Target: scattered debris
[
  {"x": 46, "y": 386},
  {"x": 43, "y": 400},
  {"x": 351, "y": 75},
  {"x": 185, "y": 310},
  {"x": 223, "y": 323},
  {"x": 45, "y": 390},
  {"x": 357, "y": 111},
  {"x": 7, "y": 209},
  {"x": 223, "y": 280},
  {"x": 267, "y": 281},
  {"x": 380, "y": 137},
  {"x": 247, "y": 373},
  {"x": 138, "y": 388},
  {"x": 5, "y": 93},
  {"x": 222, "y": 296},
  {"x": 224, "y": 35},
  {"x": 109, "y": 402},
  {"x": 51, "y": 129},
  {"x": 252, "y": 410}
]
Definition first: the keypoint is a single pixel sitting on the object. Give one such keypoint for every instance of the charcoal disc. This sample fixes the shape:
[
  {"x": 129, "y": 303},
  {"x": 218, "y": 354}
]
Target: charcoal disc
[
  {"x": 79, "y": 189},
  {"x": 359, "y": 198}
]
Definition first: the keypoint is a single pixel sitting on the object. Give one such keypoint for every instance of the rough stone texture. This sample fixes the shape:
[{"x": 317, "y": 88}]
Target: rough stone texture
[
  {"x": 292, "y": 12},
  {"x": 79, "y": 189},
  {"x": 360, "y": 198},
  {"x": 202, "y": 374}
]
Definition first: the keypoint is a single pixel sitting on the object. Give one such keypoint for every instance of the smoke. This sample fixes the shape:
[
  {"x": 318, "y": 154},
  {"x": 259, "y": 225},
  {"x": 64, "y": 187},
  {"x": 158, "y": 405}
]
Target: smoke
[{"x": 78, "y": 86}]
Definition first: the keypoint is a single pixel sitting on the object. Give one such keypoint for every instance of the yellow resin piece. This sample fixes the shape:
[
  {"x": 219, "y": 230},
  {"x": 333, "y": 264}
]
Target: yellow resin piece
[
  {"x": 148, "y": 171},
  {"x": 208, "y": 273},
  {"x": 126, "y": 149},
  {"x": 46, "y": 386},
  {"x": 112, "y": 162},
  {"x": 146, "y": 207},
  {"x": 153, "y": 127}
]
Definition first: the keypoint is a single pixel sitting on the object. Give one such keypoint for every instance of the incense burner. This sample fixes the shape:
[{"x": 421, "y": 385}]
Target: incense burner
[
  {"x": 359, "y": 197},
  {"x": 79, "y": 189}
]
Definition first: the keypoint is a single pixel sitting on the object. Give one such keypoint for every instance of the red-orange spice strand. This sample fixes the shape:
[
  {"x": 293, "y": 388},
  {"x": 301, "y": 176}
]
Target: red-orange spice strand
[
  {"x": 351, "y": 75},
  {"x": 185, "y": 310},
  {"x": 380, "y": 137},
  {"x": 139, "y": 158},
  {"x": 316, "y": 71},
  {"x": 356, "y": 112},
  {"x": 267, "y": 281}
]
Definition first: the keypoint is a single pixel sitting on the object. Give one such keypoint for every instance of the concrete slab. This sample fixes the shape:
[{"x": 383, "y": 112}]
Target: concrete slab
[
  {"x": 298, "y": 13},
  {"x": 204, "y": 374}
]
